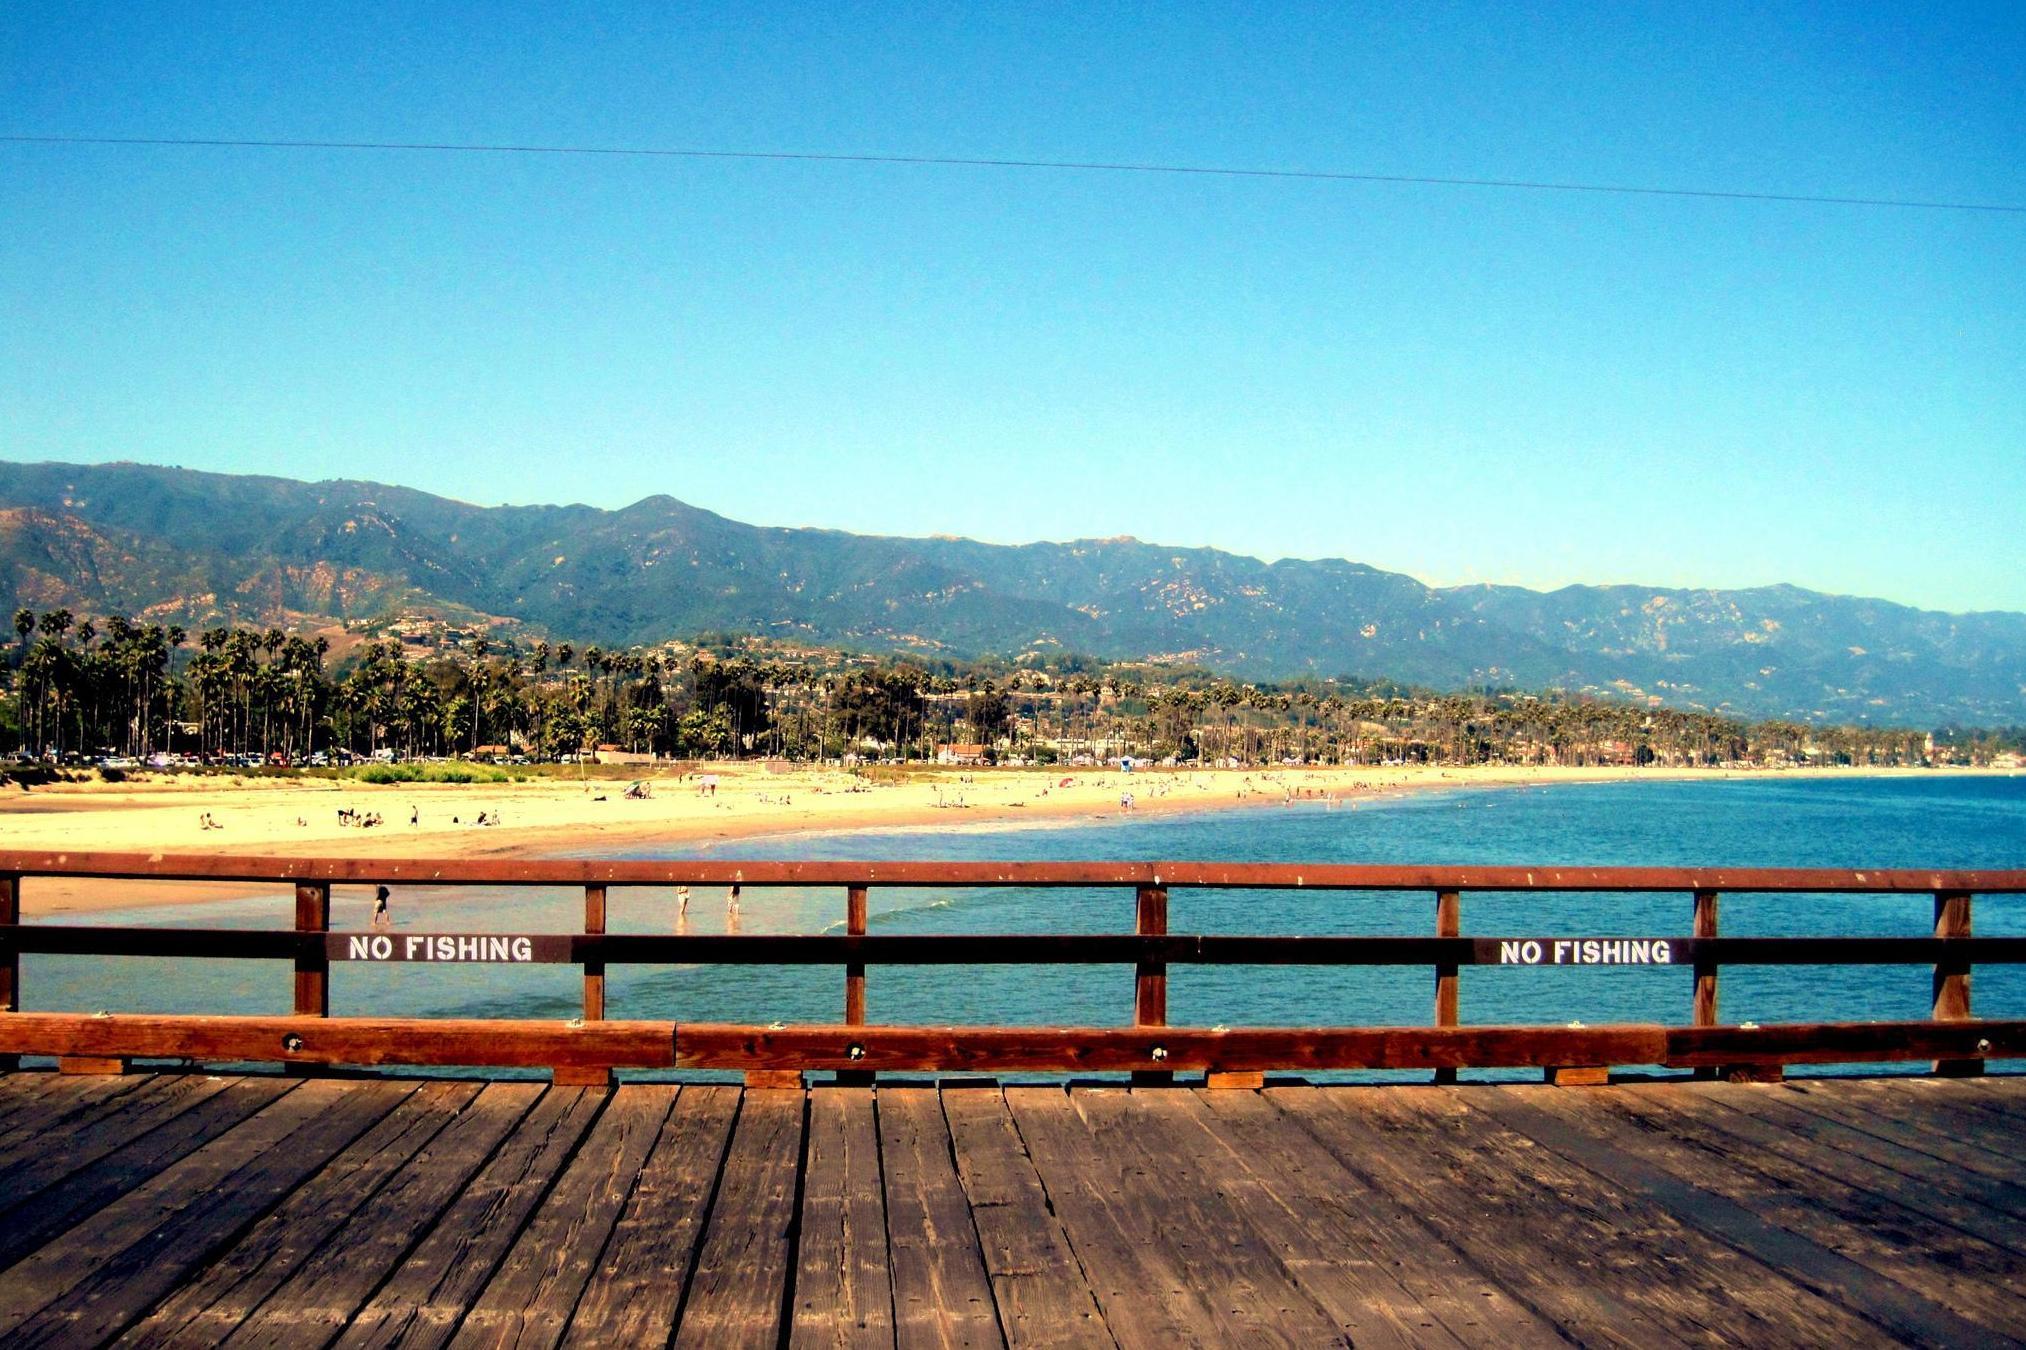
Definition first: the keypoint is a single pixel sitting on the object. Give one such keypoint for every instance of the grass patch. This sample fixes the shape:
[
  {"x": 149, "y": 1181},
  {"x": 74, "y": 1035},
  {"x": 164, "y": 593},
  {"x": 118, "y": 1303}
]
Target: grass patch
[{"x": 429, "y": 773}]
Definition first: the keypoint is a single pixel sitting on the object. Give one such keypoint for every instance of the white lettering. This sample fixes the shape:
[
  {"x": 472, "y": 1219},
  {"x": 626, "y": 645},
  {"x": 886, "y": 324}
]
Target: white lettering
[
  {"x": 524, "y": 949},
  {"x": 1508, "y": 953},
  {"x": 1663, "y": 952},
  {"x": 356, "y": 949},
  {"x": 1530, "y": 952},
  {"x": 415, "y": 943},
  {"x": 382, "y": 946},
  {"x": 1588, "y": 955}
]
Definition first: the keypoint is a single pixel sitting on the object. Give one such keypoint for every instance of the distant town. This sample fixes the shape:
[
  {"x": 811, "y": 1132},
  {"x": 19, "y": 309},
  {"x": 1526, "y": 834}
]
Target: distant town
[{"x": 121, "y": 695}]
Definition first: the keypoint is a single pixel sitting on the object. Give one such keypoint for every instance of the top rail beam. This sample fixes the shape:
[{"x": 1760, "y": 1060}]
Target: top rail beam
[{"x": 1202, "y": 875}]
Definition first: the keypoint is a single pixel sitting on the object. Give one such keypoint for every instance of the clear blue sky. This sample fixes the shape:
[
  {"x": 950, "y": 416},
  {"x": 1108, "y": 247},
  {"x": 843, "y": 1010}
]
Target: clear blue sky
[{"x": 1463, "y": 384}]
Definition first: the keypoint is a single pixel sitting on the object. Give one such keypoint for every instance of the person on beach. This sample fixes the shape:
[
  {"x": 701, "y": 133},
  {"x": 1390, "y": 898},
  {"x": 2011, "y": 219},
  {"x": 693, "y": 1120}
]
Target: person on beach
[
  {"x": 732, "y": 909},
  {"x": 682, "y": 903},
  {"x": 382, "y": 920},
  {"x": 414, "y": 815}
]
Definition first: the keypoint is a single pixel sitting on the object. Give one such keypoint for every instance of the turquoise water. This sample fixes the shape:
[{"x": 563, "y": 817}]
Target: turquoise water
[{"x": 1868, "y": 823}]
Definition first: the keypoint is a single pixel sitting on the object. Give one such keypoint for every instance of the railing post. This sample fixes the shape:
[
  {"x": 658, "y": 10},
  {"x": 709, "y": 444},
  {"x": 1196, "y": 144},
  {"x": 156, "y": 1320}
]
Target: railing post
[
  {"x": 1448, "y": 924},
  {"x": 854, "y": 982},
  {"x": 594, "y": 966},
  {"x": 1952, "y": 977},
  {"x": 1704, "y": 1013},
  {"x": 312, "y": 962},
  {"x": 10, "y": 959},
  {"x": 1150, "y": 991},
  {"x": 589, "y": 1075}
]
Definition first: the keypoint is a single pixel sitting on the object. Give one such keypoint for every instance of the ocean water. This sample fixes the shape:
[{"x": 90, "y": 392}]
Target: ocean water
[{"x": 1943, "y": 821}]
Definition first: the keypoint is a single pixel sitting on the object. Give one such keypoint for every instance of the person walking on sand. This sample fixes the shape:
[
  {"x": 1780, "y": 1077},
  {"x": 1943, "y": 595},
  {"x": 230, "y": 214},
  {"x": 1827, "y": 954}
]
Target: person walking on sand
[
  {"x": 382, "y": 920},
  {"x": 682, "y": 902}
]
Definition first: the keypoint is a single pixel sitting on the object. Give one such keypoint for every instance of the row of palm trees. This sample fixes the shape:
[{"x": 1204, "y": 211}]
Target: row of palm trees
[{"x": 132, "y": 688}]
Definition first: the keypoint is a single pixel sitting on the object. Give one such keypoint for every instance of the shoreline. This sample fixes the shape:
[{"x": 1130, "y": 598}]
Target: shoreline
[{"x": 551, "y": 818}]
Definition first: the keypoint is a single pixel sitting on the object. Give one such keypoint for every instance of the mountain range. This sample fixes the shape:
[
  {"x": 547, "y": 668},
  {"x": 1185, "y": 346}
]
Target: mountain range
[{"x": 175, "y": 545}]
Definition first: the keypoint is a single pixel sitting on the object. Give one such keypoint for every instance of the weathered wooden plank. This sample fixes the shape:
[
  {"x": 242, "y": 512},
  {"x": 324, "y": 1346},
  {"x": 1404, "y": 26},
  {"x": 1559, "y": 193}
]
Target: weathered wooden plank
[
  {"x": 739, "y": 1292},
  {"x": 1766, "y": 1284},
  {"x": 2002, "y": 1093},
  {"x": 1117, "y": 1224},
  {"x": 1858, "y": 1215},
  {"x": 1238, "y": 1242},
  {"x": 1856, "y": 1103},
  {"x": 63, "y": 1100},
  {"x": 422, "y": 1302},
  {"x": 531, "y": 1295},
  {"x": 1550, "y": 1236},
  {"x": 1039, "y": 1286},
  {"x": 209, "y": 1305},
  {"x": 20, "y": 1089},
  {"x": 1760, "y": 1120},
  {"x": 322, "y": 1295},
  {"x": 843, "y": 1295},
  {"x": 634, "y": 1297},
  {"x": 89, "y": 1284},
  {"x": 28, "y": 1219},
  {"x": 942, "y": 1294},
  {"x": 1833, "y": 1283},
  {"x": 1946, "y": 1106},
  {"x": 26, "y": 1163},
  {"x": 1371, "y": 1231}
]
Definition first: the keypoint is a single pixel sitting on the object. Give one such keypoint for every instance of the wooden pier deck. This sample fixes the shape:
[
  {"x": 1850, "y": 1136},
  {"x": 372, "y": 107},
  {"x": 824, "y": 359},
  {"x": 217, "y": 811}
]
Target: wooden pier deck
[{"x": 189, "y": 1209}]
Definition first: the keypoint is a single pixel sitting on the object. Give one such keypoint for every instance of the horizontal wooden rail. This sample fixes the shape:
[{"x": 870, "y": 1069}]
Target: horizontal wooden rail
[
  {"x": 1280, "y": 876},
  {"x": 590, "y": 1048},
  {"x": 794, "y": 949},
  {"x": 367, "y": 1041},
  {"x": 372, "y": 1041}
]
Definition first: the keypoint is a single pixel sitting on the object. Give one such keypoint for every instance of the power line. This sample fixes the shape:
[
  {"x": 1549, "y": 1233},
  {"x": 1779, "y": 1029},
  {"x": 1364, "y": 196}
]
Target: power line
[{"x": 1079, "y": 166}]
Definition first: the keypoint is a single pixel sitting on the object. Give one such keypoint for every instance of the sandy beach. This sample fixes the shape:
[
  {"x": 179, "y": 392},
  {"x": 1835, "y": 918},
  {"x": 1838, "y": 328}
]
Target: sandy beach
[{"x": 559, "y": 817}]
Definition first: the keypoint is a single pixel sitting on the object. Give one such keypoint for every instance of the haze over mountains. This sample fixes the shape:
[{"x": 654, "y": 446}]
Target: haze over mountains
[{"x": 196, "y": 548}]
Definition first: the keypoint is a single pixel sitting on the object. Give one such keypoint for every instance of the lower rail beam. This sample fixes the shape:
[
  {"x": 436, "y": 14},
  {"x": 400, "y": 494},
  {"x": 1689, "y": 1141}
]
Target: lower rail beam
[{"x": 591, "y": 1046}]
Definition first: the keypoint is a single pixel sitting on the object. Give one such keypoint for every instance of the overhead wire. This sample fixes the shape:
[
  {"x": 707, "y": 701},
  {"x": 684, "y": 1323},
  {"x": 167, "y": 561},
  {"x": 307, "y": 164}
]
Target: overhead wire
[{"x": 1064, "y": 165}]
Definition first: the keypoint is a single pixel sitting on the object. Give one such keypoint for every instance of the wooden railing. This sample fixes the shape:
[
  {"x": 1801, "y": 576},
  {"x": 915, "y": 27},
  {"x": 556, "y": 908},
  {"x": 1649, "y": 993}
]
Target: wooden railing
[{"x": 589, "y": 1048}]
